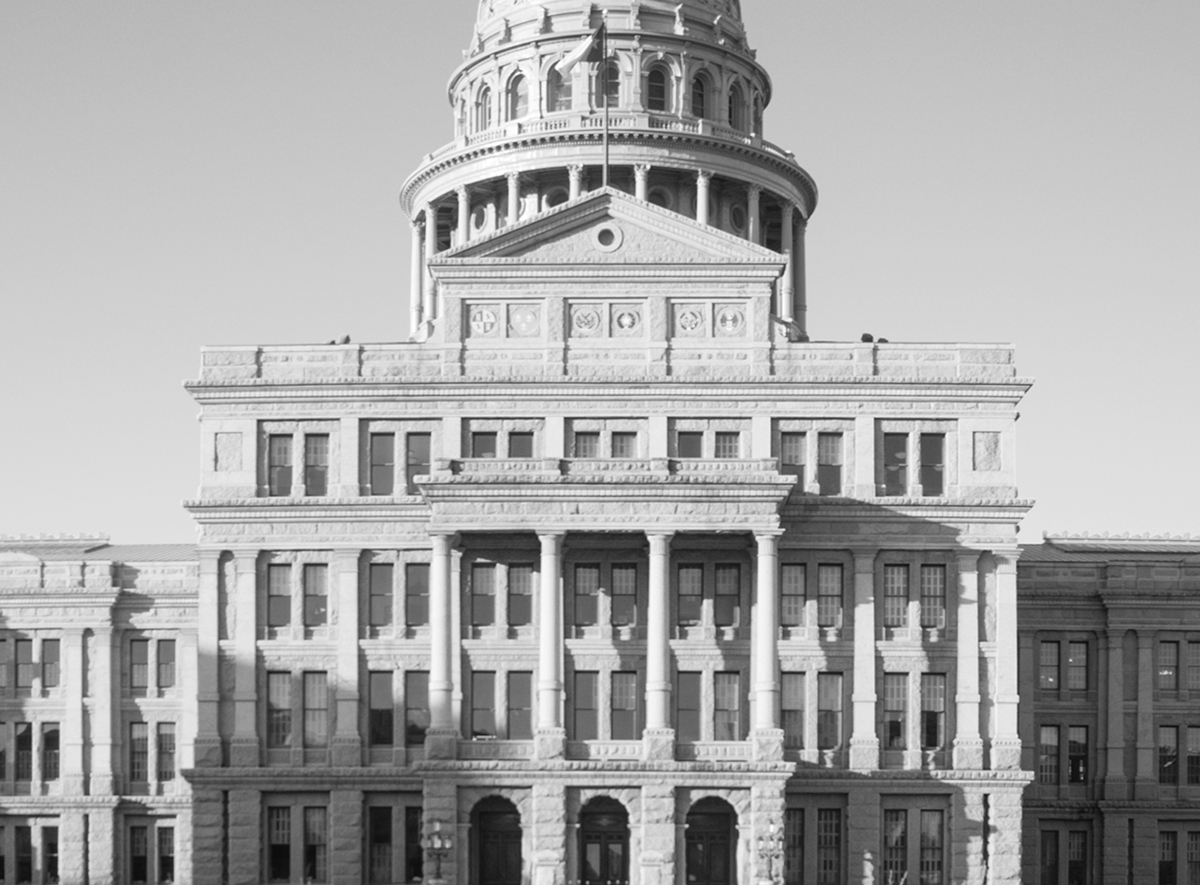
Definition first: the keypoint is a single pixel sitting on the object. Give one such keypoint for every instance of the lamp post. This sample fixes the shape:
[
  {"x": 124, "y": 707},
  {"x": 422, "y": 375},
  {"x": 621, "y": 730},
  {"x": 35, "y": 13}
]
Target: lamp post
[
  {"x": 437, "y": 845},
  {"x": 770, "y": 854}
]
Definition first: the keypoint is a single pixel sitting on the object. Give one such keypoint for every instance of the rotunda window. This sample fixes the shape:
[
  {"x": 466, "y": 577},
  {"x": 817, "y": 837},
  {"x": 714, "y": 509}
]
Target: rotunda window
[
  {"x": 737, "y": 217},
  {"x": 660, "y": 196},
  {"x": 558, "y": 92},
  {"x": 699, "y": 98},
  {"x": 555, "y": 197},
  {"x": 518, "y": 98},
  {"x": 483, "y": 110},
  {"x": 658, "y": 93},
  {"x": 737, "y": 108},
  {"x": 608, "y": 86}
]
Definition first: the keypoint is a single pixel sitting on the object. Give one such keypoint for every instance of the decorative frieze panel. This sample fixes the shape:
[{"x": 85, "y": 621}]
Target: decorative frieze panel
[
  {"x": 607, "y": 320},
  {"x": 498, "y": 320}
]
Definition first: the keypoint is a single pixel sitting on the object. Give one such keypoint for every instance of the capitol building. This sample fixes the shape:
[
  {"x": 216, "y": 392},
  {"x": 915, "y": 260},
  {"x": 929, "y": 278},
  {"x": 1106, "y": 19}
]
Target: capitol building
[{"x": 611, "y": 573}]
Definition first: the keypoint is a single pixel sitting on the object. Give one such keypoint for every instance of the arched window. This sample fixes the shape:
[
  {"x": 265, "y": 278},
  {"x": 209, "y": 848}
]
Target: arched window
[
  {"x": 710, "y": 843},
  {"x": 608, "y": 86},
  {"x": 483, "y": 110},
  {"x": 658, "y": 91},
  {"x": 737, "y": 108},
  {"x": 603, "y": 842},
  {"x": 518, "y": 98},
  {"x": 558, "y": 92},
  {"x": 496, "y": 838},
  {"x": 758, "y": 114},
  {"x": 699, "y": 98}
]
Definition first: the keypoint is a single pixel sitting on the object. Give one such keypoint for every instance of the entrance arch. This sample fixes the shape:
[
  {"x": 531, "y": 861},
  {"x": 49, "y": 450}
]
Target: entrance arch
[
  {"x": 603, "y": 842},
  {"x": 711, "y": 843},
  {"x": 496, "y": 843}
]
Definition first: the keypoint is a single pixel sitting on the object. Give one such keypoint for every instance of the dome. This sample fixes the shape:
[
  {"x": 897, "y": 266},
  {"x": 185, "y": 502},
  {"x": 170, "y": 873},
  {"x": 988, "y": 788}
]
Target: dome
[{"x": 701, "y": 10}]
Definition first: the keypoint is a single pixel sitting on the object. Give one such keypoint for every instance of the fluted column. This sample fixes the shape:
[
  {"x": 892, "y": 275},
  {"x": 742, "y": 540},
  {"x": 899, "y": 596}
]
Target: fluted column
[
  {"x": 787, "y": 287},
  {"x": 864, "y": 740},
  {"x": 766, "y": 638},
  {"x": 968, "y": 746},
  {"x": 514, "y": 197},
  {"x": 641, "y": 176},
  {"x": 575, "y": 177},
  {"x": 703, "y": 179},
  {"x": 416, "y": 276},
  {"x": 800, "y": 290},
  {"x": 551, "y": 738},
  {"x": 659, "y": 737},
  {"x": 464, "y": 213},
  {"x": 753, "y": 213},
  {"x": 439, "y": 742},
  {"x": 1006, "y": 748},
  {"x": 429, "y": 305}
]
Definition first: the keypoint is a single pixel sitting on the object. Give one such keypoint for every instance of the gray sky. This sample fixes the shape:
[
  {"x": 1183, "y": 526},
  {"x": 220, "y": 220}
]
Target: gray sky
[{"x": 177, "y": 174}]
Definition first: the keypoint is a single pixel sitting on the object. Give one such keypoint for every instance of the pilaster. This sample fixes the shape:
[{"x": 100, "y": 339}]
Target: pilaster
[
  {"x": 864, "y": 740},
  {"x": 1006, "y": 747},
  {"x": 441, "y": 740},
  {"x": 346, "y": 836},
  {"x": 1115, "y": 784},
  {"x": 549, "y": 833},
  {"x": 101, "y": 781},
  {"x": 207, "y": 836},
  {"x": 101, "y": 861},
  {"x": 347, "y": 745},
  {"x": 207, "y": 746},
  {"x": 551, "y": 737},
  {"x": 245, "y": 837},
  {"x": 73, "y": 677},
  {"x": 968, "y": 745},
  {"x": 244, "y": 750}
]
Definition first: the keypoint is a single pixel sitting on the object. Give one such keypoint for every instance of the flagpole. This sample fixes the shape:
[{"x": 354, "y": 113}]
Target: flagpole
[{"x": 604, "y": 68}]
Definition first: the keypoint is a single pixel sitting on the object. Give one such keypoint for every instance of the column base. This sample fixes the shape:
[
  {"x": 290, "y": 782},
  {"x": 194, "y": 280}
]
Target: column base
[
  {"x": 550, "y": 743},
  {"x": 243, "y": 753},
  {"x": 1006, "y": 754},
  {"x": 968, "y": 754},
  {"x": 658, "y": 745},
  {"x": 100, "y": 785},
  {"x": 441, "y": 743},
  {"x": 347, "y": 752},
  {"x": 767, "y": 744},
  {"x": 864, "y": 753},
  {"x": 208, "y": 753}
]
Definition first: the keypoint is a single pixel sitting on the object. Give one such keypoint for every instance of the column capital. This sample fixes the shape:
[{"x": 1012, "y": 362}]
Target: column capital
[
  {"x": 754, "y": 190},
  {"x": 463, "y": 191},
  {"x": 641, "y": 170},
  {"x": 1006, "y": 561},
  {"x": 703, "y": 176},
  {"x": 864, "y": 560},
  {"x": 418, "y": 225},
  {"x": 575, "y": 170},
  {"x": 968, "y": 560},
  {"x": 513, "y": 177},
  {"x": 551, "y": 541},
  {"x": 659, "y": 541},
  {"x": 768, "y": 542}
]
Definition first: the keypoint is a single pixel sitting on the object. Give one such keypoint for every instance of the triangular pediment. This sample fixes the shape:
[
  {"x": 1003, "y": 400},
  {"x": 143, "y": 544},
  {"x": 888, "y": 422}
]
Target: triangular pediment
[{"x": 610, "y": 227}]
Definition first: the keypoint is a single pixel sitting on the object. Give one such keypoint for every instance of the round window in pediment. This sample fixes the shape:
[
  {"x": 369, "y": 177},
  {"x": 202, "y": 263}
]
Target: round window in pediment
[{"x": 607, "y": 237}]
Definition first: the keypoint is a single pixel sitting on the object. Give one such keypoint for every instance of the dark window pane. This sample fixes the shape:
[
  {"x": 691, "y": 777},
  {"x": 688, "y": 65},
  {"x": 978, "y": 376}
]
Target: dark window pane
[
  {"x": 279, "y": 465},
  {"x": 316, "y": 464},
  {"x": 316, "y": 595},
  {"x": 933, "y": 455},
  {"x": 520, "y": 595},
  {"x": 166, "y": 663},
  {"x": 380, "y": 576},
  {"x": 483, "y": 704},
  {"x": 657, "y": 83},
  {"x": 829, "y": 463},
  {"x": 520, "y": 706},
  {"x": 687, "y": 723},
  {"x": 624, "y": 445},
  {"x": 586, "y": 696},
  {"x": 895, "y": 463},
  {"x": 417, "y": 460},
  {"x": 383, "y": 463},
  {"x": 520, "y": 444},
  {"x": 416, "y": 594},
  {"x": 483, "y": 595},
  {"x": 483, "y": 445},
  {"x": 416, "y": 707},
  {"x": 792, "y": 452},
  {"x": 381, "y": 728},
  {"x": 690, "y": 444}
]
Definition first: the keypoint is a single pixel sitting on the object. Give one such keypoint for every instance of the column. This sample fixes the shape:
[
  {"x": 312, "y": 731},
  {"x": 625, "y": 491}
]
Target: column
[
  {"x": 514, "y": 197},
  {"x": 800, "y": 290},
  {"x": 864, "y": 741},
  {"x": 641, "y": 176},
  {"x": 1114, "y": 689},
  {"x": 551, "y": 736},
  {"x": 464, "y": 214},
  {"x": 703, "y": 180},
  {"x": 72, "y": 766},
  {"x": 1146, "y": 784},
  {"x": 416, "y": 275},
  {"x": 968, "y": 746},
  {"x": 101, "y": 836},
  {"x": 245, "y": 837},
  {"x": 1006, "y": 748},
  {"x": 787, "y": 287},
  {"x": 659, "y": 736},
  {"x": 429, "y": 305},
  {"x": 753, "y": 209},
  {"x": 214, "y": 569},
  {"x": 346, "y": 744},
  {"x": 768, "y": 736},
  {"x": 575, "y": 176},
  {"x": 102, "y": 713},
  {"x": 346, "y": 855},
  {"x": 244, "y": 748},
  {"x": 441, "y": 739}
]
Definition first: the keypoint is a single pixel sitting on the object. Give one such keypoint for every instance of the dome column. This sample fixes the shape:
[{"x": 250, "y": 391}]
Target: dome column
[
  {"x": 464, "y": 214},
  {"x": 428, "y": 310},
  {"x": 787, "y": 285},
  {"x": 753, "y": 208},
  {"x": 416, "y": 272},
  {"x": 703, "y": 179},
  {"x": 575, "y": 177},
  {"x": 514, "y": 197},
  {"x": 800, "y": 295},
  {"x": 641, "y": 176}
]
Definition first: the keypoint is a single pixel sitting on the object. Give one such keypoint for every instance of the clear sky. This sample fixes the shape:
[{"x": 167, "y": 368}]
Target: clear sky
[{"x": 179, "y": 174}]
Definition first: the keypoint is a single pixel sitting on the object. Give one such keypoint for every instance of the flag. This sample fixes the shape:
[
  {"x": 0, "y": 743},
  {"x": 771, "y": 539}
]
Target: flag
[{"x": 590, "y": 50}]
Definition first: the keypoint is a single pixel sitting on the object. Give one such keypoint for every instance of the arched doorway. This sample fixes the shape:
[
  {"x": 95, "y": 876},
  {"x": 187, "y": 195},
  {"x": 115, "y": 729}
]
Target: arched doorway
[
  {"x": 603, "y": 843},
  {"x": 496, "y": 842},
  {"x": 711, "y": 843}
]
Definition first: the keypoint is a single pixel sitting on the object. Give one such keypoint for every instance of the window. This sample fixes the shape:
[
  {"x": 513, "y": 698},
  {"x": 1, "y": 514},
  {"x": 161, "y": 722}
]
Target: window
[
  {"x": 139, "y": 854},
  {"x": 416, "y": 708},
  {"x": 279, "y": 844},
  {"x": 829, "y": 463},
  {"x": 624, "y": 444},
  {"x": 793, "y": 846},
  {"x": 587, "y": 445},
  {"x": 24, "y": 851},
  {"x": 829, "y": 596},
  {"x": 1193, "y": 858},
  {"x": 1077, "y": 854},
  {"x": 933, "y": 464},
  {"x": 608, "y": 86},
  {"x": 316, "y": 710},
  {"x": 483, "y": 445},
  {"x": 895, "y": 845},
  {"x": 379, "y": 845},
  {"x": 691, "y": 594},
  {"x": 139, "y": 667},
  {"x": 792, "y": 453},
  {"x": 791, "y": 584},
  {"x": 1077, "y": 666},
  {"x": 23, "y": 732},
  {"x": 316, "y": 464},
  {"x": 727, "y": 711},
  {"x": 933, "y": 597},
  {"x": 689, "y": 444},
  {"x": 416, "y": 594},
  {"x": 727, "y": 444},
  {"x": 933, "y": 847},
  {"x": 483, "y": 110},
  {"x": 520, "y": 595},
  {"x": 792, "y": 695},
  {"x": 381, "y": 710},
  {"x": 829, "y": 711},
  {"x": 520, "y": 444},
  {"x": 699, "y": 98},
  {"x": 658, "y": 97},
  {"x": 1168, "y": 754},
  {"x": 687, "y": 709},
  {"x": 279, "y": 465},
  {"x": 1168, "y": 849},
  {"x": 1048, "y": 667},
  {"x": 1077, "y": 754},
  {"x": 933, "y": 711},
  {"x": 383, "y": 463},
  {"x": 587, "y": 706},
  {"x": 725, "y": 602},
  {"x": 279, "y": 595},
  {"x": 587, "y": 595},
  {"x": 166, "y": 663},
  {"x": 518, "y": 98},
  {"x": 737, "y": 109},
  {"x": 414, "y": 858},
  {"x": 483, "y": 595},
  {"x": 895, "y": 596},
  {"x": 624, "y": 595},
  {"x": 558, "y": 92},
  {"x": 316, "y": 595},
  {"x": 416, "y": 460},
  {"x": 50, "y": 751},
  {"x": 1048, "y": 754},
  {"x": 1049, "y": 857},
  {"x": 316, "y": 845},
  {"x": 895, "y": 711},
  {"x": 829, "y": 846},
  {"x": 139, "y": 752},
  {"x": 51, "y": 652},
  {"x": 520, "y": 706},
  {"x": 483, "y": 704},
  {"x": 625, "y": 720},
  {"x": 380, "y": 577},
  {"x": 24, "y": 653},
  {"x": 895, "y": 464},
  {"x": 1168, "y": 666},
  {"x": 1193, "y": 665},
  {"x": 166, "y": 751},
  {"x": 1193, "y": 757}
]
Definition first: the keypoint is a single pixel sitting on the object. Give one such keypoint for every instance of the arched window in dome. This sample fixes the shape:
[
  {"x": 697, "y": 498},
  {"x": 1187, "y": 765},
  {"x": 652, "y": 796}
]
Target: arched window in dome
[
  {"x": 483, "y": 110},
  {"x": 737, "y": 108},
  {"x": 658, "y": 90},
  {"x": 518, "y": 98},
  {"x": 558, "y": 91},
  {"x": 700, "y": 97},
  {"x": 608, "y": 86},
  {"x": 758, "y": 114}
]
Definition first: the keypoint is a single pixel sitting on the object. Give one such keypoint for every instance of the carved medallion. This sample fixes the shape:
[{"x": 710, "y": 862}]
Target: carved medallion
[
  {"x": 731, "y": 321},
  {"x": 689, "y": 321},
  {"x": 585, "y": 322},
  {"x": 626, "y": 320},
  {"x": 484, "y": 322},
  {"x": 522, "y": 321}
]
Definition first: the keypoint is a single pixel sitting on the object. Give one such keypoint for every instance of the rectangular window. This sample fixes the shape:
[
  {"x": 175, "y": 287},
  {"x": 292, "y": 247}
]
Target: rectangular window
[
  {"x": 416, "y": 594},
  {"x": 1193, "y": 859},
  {"x": 414, "y": 854},
  {"x": 793, "y": 846},
  {"x": 166, "y": 663},
  {"x": 279, "y": 465},
  {"x": 520, "y": 444},
  {"x": 792, "y": 696},
  {"x": 691, "y": 594},
  {"x": 279, "y": 710},
  {"x": 624, "y": 444},
  {"x": 381, "y": 716},
  {"x": 727, "y": 707},
  {"x": 933, "y": 597},
  {"x": 24, "y": 850},
  {"x": 1168, "y": 666},
  {"x": 829, "y": 711},
  {"x": 4, "y": 751},
  {"x": 793, "y": 453},
  {"x": 139, "y": 752},
  {"x": 1077, "y": 666},
  {"x": 1077, "y": 857},
  {"x": 1193, "y": 673},
  {"x": 166, "y": 751},
  {"x": 23, "y": 732},
  {"x": 1193, "y": 759},
  {"x": 379, "y": 845},
  {"x": 895, "y": 464},
  {"x": 791, "y": 588},
  {"x": 416, "y": 708},
  {"x": 380, "y": 578},
  {"x": 279, "y": 844},
  {"x": 1048, "y": 667},
  {"x": 1077, "y": 754},
  {"x": 829, "y": 846},
  {"x": 587, "y": 706},
  {"x": 383, "y": 463},
  {"x": 279, "y": 595},
  {"x": 417, "y": 460},
  {"x": 727, "y": 444},
  {"x": 587, "y": 445},
  {"x": 483, "y": 445},
  {"x": 483, "y": 704},
  {"x": 728, "y": 591},
  {"x": 895, "y": 596},
  {"x": 316, "y": 595},
  {"x": 24, "y": 653},
  {"x": 316, "y": 710},
  {"x": 51, "y": 651},
  {"x": 49, "y": 854},
  {"x": 624, "y": 595},
  {"x": 689, "y": 444},
  {"x": 687, "y": 708},
  {"x": 625, "y": 720},
  {"x": 829, "y": 463},
  {"x": 50, "y": 751},
  {"x": 520, "y": 595},
  {"x": 895, "y": 845},
  {"x": 316, "y": 464},
  {"x": 829, "y": 595},
  {"x": 139, "y": 667},
  {"x": 933, "y": 711},
  {"x": 587, "y": 595},
  {"x": 316, "y": 845},
  {"x": 933, "y": 464},
  {"x": 1168, "y": 754},
  {"x": 139, "y": 854},
  {"x": 933, "y": 848},
  {"x": 895, "y": 711},
  {"x": 1048, "y": 754},
  {"x": 520, "y": 706},
  {"x": 1168, "y": 852},
  {"x": 483, "y": 595}
]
